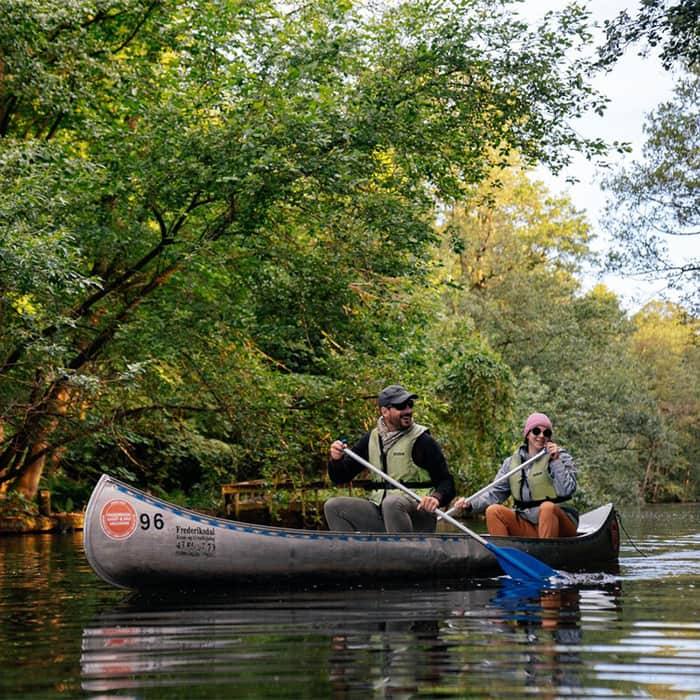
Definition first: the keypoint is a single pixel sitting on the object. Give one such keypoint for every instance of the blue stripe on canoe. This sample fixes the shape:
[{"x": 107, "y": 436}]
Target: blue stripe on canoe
[{"x": 269, "y": 532}]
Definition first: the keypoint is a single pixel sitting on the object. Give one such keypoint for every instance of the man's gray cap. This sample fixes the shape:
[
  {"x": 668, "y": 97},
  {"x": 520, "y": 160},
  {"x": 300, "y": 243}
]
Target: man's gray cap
[{"x": 394, "y": 394}]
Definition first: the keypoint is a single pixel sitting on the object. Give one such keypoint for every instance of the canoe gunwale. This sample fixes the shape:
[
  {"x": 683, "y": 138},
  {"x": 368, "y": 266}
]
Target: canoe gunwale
[{"x": 236, "y": 525}]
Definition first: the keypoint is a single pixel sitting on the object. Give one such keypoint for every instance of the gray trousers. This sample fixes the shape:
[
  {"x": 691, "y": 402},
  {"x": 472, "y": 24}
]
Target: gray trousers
[{"x": 397, "y": 513}]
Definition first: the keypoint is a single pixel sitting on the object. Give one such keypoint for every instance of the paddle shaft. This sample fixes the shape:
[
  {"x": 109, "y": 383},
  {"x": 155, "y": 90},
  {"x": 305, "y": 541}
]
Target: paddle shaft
[
  {"x": 517, "y": 564},
  {"x": 503, "y": 477},
  {"x": 413, "y": 495}
]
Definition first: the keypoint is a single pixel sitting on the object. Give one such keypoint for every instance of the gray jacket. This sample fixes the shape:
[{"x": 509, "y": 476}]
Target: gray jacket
[{"x": 563, "y": 473}]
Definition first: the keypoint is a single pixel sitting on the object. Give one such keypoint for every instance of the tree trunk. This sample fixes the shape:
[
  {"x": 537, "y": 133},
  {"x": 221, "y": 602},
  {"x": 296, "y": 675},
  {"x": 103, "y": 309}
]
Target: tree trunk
[
  {"x": 3, "y": 484},
  {"x": 27, "y": 482},
  {"x": 648, "y": 479}
]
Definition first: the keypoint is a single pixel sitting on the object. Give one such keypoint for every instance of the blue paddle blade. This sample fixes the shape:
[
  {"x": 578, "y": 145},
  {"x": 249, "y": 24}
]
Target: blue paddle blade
[{"x": 521, "y": 565}]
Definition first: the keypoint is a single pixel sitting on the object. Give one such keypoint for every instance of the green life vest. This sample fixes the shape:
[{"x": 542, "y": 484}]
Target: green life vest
[
  {"x": 538, "y": 480},
  {"x": 398, "y": 463}
]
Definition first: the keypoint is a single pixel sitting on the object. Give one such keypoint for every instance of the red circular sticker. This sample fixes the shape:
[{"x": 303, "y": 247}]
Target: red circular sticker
[{"x": 118, "y": 519}]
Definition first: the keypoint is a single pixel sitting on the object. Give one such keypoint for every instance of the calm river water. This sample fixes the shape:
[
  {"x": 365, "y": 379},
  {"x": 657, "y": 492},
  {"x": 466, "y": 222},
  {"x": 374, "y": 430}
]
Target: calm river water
[{"x": 632, "y": 634}]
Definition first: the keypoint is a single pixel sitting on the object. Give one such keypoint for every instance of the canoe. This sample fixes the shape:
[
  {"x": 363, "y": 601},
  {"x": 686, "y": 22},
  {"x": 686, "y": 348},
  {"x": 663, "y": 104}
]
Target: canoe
[{"x": 137, "y": 541}]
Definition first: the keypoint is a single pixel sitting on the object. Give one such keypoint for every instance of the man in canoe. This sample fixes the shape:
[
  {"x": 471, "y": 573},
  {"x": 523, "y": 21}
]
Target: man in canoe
[
  {"x": 405, "y": 451},
  {"x": 536, "y": 490}
]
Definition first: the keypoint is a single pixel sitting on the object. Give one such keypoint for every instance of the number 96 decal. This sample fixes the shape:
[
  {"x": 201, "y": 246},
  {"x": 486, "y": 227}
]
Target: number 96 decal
[{"x": 147, "y": 522}]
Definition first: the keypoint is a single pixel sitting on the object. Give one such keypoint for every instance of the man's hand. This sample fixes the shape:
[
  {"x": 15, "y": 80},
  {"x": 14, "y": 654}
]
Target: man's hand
[
  {"x": 336, "y": 451},
  {"x": 428, "y": 503}
]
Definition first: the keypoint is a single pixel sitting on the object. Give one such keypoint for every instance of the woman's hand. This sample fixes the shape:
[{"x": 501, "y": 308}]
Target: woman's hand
[
  {"x": 552, "y": 450},
  {"x": 462, "y": 504}
]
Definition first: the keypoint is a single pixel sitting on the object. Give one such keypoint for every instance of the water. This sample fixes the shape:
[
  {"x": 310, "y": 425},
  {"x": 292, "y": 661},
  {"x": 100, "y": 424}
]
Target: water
[{"x": 634, "y": 634}]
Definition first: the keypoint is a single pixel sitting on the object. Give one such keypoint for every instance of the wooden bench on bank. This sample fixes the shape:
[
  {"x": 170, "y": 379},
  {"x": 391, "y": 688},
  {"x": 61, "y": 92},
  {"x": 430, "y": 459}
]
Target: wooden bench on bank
[{"x": 262, "y": 501}]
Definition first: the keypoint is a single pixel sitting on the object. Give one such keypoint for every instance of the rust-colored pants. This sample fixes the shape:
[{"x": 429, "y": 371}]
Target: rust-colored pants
[{"x": 552, "y": 522}]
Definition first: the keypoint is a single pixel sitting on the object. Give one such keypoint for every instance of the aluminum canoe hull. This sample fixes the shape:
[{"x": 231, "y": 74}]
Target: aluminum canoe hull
[{"x": 137, "y": 541}]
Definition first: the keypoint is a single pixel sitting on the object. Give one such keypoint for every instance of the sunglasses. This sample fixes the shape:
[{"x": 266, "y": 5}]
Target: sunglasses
[
  {"x": 546, "y": 432},
  {"x": 401, "y": 406}
]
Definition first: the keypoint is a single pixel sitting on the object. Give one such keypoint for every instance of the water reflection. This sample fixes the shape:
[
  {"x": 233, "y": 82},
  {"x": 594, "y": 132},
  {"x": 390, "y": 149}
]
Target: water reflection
[
  {"x": 349, "y": 640},
  {"x": 535, "y": 638},
  {"x": 634, "y": 633},
  {"x": 665, "y": 658},
  {"x": 358, "y": 643},
  {"x": 388, "y": 659},
  {"x": 547, "y": 627}
]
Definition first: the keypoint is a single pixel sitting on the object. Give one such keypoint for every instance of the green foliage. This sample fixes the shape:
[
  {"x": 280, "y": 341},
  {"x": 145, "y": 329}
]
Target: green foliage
[
  {"x": 674, "y": 27},
  {"x": 653, "y": 210},
  {"x": 513, "y": 273},
  {"x": 211, "y": 208},
  {"x": 67, "y": 494},
  {"x": 509, "y": 260},
  {"x": 666, "y": 348},
  {"x": 218, "y": 236},
  {"x": 476, "y": 388}
]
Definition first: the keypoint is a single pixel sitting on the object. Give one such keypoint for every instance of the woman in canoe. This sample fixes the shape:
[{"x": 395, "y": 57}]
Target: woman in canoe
[
  {"x": 536, "y": 490},
  {"x": 408, "y": 453}
]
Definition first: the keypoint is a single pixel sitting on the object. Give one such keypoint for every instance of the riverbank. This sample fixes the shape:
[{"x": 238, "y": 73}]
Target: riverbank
[{"x": 55, "y": 522}]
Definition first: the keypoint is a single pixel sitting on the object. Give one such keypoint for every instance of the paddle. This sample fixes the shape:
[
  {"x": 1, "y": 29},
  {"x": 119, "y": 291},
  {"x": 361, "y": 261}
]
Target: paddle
[
  {"x": 518, "y": 565},
  {"x": 503, "y": 477}
]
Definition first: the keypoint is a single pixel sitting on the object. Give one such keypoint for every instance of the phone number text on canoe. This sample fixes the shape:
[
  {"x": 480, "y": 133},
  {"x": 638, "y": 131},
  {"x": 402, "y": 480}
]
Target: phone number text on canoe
[{"x": 195, "y": 541}]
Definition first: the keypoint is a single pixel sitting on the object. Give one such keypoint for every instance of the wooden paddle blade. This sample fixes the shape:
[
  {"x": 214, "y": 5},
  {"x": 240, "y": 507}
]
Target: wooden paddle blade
[{"x": 521, "y": 565}]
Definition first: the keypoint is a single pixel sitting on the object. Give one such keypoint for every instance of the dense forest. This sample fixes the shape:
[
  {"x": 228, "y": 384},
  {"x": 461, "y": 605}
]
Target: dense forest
[{"x": 225, "y": 225}]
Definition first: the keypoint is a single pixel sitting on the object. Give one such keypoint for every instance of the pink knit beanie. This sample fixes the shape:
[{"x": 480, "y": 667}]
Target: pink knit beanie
[{"x": 535, "y": 419}]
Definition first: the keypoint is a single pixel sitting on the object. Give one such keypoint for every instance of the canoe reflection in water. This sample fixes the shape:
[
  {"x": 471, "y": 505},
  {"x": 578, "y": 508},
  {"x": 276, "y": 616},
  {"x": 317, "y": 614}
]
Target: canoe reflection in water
[
  {"x": 339, "y": 643},
  {"x": 406, "y": 656},
  {"x": 363, "y": 640}
]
